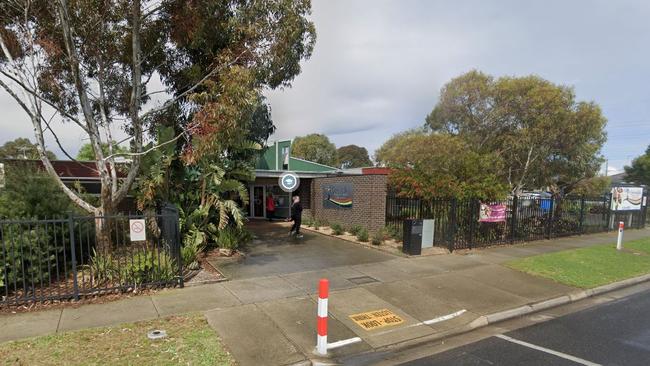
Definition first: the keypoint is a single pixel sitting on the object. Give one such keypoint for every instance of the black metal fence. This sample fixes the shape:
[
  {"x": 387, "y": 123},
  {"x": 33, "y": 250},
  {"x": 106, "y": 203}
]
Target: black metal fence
[
  {"x": 79, "y": 256},
  {"x": 456, "y": 222}
]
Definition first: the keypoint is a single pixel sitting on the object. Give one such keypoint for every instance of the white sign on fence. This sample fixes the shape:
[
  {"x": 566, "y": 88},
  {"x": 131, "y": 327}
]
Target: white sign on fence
[
  {"x": 427, "y": 233},
  {"x": 627, "y": 198},
  {"x": 138, "y": 231}
]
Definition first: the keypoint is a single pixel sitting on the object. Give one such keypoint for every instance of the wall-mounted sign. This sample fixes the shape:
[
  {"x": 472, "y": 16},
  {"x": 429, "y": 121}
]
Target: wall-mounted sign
[
  {"x": 492, "y": 213},
  {"x": 627, "y": 198},
  {"x": 289, "y": 181},
  {"x": 337, "y": 195},
  {"x": 138, "y": 231}
]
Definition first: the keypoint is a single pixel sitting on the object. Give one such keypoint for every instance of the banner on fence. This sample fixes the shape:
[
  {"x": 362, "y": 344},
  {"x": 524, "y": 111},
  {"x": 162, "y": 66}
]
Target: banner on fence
[
  {"x": 627, "y": 198},
  {"x": 137, "y": 230},
  {"x": 492, "y": 213}
]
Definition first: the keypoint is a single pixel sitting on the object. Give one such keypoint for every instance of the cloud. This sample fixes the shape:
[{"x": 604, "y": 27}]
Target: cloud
[{"x": 378, "y": 65}]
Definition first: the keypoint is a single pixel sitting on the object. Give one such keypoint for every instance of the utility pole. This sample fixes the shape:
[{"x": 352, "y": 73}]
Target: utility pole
[{"x": 606, "y": 167}]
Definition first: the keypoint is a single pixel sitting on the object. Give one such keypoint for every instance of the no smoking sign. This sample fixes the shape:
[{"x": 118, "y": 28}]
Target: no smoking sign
[{"x": 137, "y": 230}]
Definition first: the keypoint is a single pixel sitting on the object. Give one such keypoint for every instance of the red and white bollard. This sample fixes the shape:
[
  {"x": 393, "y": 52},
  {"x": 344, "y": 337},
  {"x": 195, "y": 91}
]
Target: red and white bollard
[
  {"x": 619, "y": 242},
  {"x": 321, "y": 338}
]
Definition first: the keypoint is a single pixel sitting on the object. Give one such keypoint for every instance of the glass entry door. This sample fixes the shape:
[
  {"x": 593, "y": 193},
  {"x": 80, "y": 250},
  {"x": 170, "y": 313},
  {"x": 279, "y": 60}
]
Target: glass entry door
[{"x": 257, "y": 201}]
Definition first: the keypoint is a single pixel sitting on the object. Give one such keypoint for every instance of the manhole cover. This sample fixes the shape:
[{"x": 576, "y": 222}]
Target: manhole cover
[{"x": 362, "y": 280}]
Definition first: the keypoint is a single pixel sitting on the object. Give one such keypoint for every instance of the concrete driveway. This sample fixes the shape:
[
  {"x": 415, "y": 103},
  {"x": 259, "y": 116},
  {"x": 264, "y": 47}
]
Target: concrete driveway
[{"x": 273, "y": 252}]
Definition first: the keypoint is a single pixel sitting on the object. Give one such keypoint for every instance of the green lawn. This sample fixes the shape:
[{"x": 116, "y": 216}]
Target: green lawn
[
  {"x": 190, "y": 341},
  {"x": 590, "y": 267}
]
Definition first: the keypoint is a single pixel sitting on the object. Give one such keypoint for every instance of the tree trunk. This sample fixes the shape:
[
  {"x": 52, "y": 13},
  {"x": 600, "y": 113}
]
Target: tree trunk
[{"x": 104, "y": 222}]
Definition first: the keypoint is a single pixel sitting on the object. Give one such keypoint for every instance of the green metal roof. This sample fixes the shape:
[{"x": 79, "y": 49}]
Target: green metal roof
[{"x": 273, "y": 159}]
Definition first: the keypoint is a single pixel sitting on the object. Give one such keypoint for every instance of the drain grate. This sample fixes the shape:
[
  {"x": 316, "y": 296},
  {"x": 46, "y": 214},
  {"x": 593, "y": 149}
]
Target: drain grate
[{"x": 362, "y": 280}]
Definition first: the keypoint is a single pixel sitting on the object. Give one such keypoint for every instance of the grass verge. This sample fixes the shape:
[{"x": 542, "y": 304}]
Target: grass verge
[
  {"x": 589, "y": 267},
  {"x": 190, "y": 341}
]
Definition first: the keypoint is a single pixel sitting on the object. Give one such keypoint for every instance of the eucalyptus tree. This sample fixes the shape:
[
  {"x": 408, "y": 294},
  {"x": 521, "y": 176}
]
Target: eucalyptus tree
[{"x": 93, "y": 65}]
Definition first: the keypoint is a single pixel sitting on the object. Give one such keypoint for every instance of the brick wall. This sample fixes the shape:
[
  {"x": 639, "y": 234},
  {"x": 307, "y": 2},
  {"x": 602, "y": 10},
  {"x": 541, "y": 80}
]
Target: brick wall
[{"x": 368, "y": 201}]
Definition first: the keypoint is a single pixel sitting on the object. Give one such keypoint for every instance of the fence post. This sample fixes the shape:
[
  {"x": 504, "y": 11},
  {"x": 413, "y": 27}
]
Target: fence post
[
  {"x": 608, "y": 205},
  {"x": 170, "y": 217},
  {"x": 73, "y": 255},
  {"x": 582, "y": 213},
  {"x": 451, "y": 234},
  {"x": 472, "y": 220},
  {"x": 513, "y": 218},
  {"x": 549, "y": 223}
]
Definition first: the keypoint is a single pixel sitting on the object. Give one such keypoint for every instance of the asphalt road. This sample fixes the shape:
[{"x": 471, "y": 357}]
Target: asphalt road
[{"x": 615, "y": 333}]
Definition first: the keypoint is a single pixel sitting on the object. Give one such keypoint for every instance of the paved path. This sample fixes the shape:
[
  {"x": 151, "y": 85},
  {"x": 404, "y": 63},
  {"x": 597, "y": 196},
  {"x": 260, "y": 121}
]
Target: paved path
[
  {"x": 615, "y": 333},
  {"x": 271, "y": 319},
  {"x": 274, "y": 253}
]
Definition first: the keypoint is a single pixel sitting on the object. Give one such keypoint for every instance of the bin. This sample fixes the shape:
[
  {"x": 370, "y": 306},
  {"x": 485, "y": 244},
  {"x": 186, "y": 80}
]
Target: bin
[{"x": 412, "y": 239}]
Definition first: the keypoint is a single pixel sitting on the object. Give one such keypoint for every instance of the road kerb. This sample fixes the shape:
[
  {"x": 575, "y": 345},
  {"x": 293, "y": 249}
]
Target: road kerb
[
  {"x": 509, "y": 314},
  {"x": 485, "y": 320},
  {"x": 551, "y": 303}
]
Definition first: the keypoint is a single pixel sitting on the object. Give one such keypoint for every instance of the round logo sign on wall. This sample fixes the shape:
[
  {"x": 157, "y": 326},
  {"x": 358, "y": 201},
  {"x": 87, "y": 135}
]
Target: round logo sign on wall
[{"x": 289, "y": 181}]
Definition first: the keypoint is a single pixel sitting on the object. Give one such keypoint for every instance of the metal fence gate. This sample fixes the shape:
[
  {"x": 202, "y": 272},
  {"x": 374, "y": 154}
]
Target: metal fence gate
[{"x": 68, "y": 258}]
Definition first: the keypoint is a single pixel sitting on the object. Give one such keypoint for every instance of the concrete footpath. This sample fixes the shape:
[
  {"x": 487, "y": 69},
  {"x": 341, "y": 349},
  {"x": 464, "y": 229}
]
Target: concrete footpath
[{"x": 271, "y": 320}]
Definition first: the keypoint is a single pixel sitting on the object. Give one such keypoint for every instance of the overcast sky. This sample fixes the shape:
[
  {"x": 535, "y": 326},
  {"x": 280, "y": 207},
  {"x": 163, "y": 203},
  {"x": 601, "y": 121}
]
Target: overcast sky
[{"x": 378, "y": 66}]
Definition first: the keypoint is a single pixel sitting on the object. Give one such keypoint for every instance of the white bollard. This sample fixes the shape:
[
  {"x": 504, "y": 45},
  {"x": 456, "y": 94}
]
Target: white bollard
[{"x": 619, "y": 242}]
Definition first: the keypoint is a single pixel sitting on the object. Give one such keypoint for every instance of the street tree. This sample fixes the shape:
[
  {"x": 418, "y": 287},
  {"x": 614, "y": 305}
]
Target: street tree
[
  {"x": 22, "y": 148},
  {"x": 430, "y": 165},
  {"x": 639, "y": 171},
  {"x": 544, "y": 136},
  {"x": 315, "y": 147},
  {"x": 353, "y": 156},
  {"x": 92, "y": 63}
]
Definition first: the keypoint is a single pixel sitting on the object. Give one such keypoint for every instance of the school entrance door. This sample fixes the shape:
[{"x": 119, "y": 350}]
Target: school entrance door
[{"x": 258, "y": 194}]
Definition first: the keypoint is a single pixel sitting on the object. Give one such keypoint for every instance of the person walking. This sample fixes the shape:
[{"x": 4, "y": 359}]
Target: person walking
[
  {"x": 296, "y": 217},
  {"x": 270, "y": 207}
]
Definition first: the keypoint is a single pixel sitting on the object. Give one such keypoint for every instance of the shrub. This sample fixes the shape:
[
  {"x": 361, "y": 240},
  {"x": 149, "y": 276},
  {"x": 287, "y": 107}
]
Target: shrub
[
  {"x": 307, "y": 221},
  {"x": 377, "y": 237},
  {"x": 29, "y": 256},
  {"x": 190, "y": 255},
  {"x": 103, "y": 268},
  {"x": 228, "y": 238},
  {"x": 32, "y": 193},
  {"x": 354, "y": 229},
  {"x": 392, "y": 232},
  {"x": 316, "y": 224},
  {"x": 149, "y": 266},
  {"x": 138, "y": 267},
  {"x": 362, "y": 235},
  {"x": 244, "y": 235},
  {"x": 337, "y": 229}
]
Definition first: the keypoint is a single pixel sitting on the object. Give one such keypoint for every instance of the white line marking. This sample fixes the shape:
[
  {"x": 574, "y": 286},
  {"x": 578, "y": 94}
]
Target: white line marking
[
  {"x": 444, "y": 317},
  {"x": 426, "y": 322},
  {"x": 343, "y": 342},
  {"x": 549, "y": 351}
]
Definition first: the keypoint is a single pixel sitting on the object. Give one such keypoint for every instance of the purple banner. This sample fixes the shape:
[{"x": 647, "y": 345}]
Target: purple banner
[{"x": 492, "y": 213}]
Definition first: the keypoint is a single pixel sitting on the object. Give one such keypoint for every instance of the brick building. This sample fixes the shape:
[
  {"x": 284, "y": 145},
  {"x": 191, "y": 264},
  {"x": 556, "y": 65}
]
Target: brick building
[{"x": 349, "y": 196}]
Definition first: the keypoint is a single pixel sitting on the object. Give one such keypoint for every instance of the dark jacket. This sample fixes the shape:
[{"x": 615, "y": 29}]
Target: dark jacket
[{"x": 296, "y": 211}]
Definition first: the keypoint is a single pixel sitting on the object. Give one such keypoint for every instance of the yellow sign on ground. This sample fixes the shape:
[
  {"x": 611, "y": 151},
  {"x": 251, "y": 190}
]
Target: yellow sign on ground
[{"x": 376, "y": 319}]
